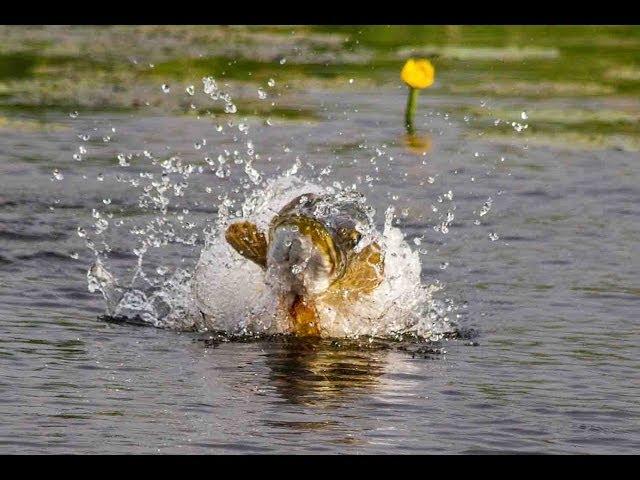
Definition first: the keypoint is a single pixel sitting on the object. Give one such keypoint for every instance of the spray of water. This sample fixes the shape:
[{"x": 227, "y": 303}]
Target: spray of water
[{"x": 225, "y": 292}]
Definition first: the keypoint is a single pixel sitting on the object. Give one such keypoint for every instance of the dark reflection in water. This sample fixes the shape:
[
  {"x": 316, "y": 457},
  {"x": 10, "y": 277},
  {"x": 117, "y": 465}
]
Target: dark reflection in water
[{"x": 315, "y": 372}]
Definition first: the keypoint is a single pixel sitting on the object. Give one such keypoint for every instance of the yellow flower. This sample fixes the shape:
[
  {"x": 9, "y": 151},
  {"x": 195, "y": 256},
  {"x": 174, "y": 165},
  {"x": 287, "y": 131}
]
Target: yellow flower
[{"x": 418, "y": 73}]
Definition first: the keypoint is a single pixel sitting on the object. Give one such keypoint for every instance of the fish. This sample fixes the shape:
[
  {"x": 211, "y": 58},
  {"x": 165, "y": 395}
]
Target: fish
[{"x": 314, "y": 252}]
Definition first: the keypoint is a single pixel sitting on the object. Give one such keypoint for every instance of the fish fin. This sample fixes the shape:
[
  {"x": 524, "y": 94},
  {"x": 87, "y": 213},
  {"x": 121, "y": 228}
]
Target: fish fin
[
  {"x": 363, "y": 275},
  {"x": 304, "y": 319},
  {"x": 248, "y": 241}
]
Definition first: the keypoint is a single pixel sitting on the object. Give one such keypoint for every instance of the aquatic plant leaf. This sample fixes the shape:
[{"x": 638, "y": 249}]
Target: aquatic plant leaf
[{"x": 248, "y": 241}]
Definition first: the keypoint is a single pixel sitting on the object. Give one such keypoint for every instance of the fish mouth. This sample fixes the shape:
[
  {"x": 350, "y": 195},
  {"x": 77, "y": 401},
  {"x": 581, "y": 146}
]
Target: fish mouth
[{"x": 320, "y": 236}]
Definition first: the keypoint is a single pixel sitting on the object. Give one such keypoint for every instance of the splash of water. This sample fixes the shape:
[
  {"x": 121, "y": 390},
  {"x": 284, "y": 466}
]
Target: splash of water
[
  {"x": 224, "y": 291},
  {"x": 226, "y": 287}
]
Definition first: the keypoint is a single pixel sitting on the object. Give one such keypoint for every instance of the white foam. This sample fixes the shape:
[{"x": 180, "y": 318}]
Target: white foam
[
  {"x": 232, "y": 291},
  {"x": 229, "y": 293}
]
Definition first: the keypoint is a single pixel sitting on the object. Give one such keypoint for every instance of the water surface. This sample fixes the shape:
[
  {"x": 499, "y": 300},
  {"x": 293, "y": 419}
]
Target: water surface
[{"x": 554, "y": 297}]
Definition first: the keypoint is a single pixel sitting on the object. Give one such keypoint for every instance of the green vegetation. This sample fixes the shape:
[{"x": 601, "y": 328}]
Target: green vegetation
[{"x": 514, "y": 68}]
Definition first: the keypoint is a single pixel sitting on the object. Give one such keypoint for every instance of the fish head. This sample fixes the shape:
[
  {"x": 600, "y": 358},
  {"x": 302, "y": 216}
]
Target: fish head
[{"x": 303, "y": 257}]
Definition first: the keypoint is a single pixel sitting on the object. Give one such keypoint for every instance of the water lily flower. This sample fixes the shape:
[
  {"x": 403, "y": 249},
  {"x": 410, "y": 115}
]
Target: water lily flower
[{"x": 417, "y": 74}]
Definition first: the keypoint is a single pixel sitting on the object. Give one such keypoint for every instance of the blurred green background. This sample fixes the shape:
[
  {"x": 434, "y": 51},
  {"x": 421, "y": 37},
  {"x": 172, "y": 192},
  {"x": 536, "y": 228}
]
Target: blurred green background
[{"x": 579, "y": 84}]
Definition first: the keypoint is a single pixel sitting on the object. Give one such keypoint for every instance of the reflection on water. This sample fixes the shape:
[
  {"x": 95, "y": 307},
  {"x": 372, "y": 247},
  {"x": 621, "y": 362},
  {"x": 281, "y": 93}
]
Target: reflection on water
[
  {"x": 418, "y": 143},
  {"x": 315, "y": 373}
]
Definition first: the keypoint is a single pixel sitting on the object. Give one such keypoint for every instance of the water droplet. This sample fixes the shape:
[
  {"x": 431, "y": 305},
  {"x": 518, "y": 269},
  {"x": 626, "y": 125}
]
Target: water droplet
[
  {"x": 77, "y": 157},
  {"x": 122, "y": 160},
  {"x": 444, "y": 265},
  {"x": 57, "y": 175},
  {"x": 82, "y": 150},
  {"x": 106, "y": 201},
  {"x": 82, "y": 232},
  {"x": 493, "y": 236},
  {"x": 351, "y": 80},
  {"x": 230, "y": 108},
  {"x": 191, "y": 90},
  {"x": 100, "y": 177},
  {"x": 271, "y": 82},
  {"x": 486, "y": 207},
  {"x": 262, "y": 94},
  {"x": 74, "y": 255},
  {"x": 209, "y": 85},
  {"x": 74, "y": 114},
  {"x": 524, "y": 115},
  {"x": 283, "y": 61},
  {"x": 166, "y": 88}
]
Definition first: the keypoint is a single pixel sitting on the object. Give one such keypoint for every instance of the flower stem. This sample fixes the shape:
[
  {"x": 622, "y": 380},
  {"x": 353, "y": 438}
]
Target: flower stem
[{"x": 411, "y": 109}]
